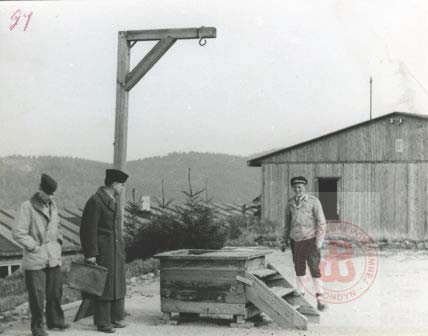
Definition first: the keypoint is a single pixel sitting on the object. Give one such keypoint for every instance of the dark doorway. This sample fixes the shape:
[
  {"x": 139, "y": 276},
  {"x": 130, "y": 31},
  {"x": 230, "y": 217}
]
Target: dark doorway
[
  {"x": 3, "y": 272},
  {"x": 327, "y": 188}
]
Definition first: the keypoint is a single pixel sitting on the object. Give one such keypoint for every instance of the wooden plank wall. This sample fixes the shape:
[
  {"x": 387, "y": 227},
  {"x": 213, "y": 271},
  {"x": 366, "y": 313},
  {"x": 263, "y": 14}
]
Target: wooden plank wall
[
  {"x": 370, "y": 142},
  {"x": 418, "y": 200},
  {"x": 205, "y": 286},
  {"x": 387, "y": 200},
  {"x": 356, "y": 196}
]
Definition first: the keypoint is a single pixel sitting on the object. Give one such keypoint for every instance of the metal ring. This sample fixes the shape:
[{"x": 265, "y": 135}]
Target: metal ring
[{"x": 202, "y": 41}]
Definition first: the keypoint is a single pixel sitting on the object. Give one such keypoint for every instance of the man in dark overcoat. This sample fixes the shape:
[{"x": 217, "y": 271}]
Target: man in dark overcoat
[{"x": 102, "y": 243}]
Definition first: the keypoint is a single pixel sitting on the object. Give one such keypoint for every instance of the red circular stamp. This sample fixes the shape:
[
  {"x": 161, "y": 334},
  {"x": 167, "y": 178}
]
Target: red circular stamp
[{"x": 348, "y": 267}]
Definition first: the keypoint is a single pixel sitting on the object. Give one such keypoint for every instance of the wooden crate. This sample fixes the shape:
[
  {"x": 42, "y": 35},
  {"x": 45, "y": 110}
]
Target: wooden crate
[{"x": 204, "y": 281}]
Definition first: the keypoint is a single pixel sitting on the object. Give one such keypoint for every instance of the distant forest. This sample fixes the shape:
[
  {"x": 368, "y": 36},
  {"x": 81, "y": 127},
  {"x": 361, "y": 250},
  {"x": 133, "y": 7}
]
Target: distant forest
[{"x": 227, "y": 177}]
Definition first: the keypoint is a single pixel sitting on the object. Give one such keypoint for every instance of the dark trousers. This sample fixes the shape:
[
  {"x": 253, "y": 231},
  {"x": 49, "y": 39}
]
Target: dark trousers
[
  {"x": 305, "y": 251},
  {"x": 108, "y": 312},
  {"x": 41, "y": 284}
]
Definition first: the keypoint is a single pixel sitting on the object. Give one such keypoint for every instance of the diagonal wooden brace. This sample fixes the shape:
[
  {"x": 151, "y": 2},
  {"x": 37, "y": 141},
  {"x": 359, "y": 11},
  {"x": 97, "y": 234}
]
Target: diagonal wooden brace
[{"x": 148, "y": 62}]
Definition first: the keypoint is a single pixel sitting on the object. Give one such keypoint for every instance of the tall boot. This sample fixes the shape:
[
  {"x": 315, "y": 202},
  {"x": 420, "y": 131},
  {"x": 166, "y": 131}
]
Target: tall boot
[{"x": 319, "y": 291}]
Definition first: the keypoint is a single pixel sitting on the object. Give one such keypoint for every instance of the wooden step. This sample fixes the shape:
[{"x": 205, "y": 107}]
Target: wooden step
[
  {"x": 282, "y": 291},
  {"x": 263, "y": 272},
  {"x": 305, "y": 307},
  {"x": 284, "y": 282},
  {"x": 275, "y": 307},
  {"x": 274, "y": 277},
  {"x": 310, "y": 313},
  {"x": 306, "y": 310}
]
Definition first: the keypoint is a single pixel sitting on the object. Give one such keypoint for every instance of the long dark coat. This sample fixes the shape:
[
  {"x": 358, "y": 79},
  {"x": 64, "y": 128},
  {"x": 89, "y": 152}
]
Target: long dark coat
[{"x": 101, "y": 237}]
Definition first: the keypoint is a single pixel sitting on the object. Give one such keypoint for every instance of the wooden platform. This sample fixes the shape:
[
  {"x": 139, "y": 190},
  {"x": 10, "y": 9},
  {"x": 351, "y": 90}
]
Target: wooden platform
[{"x": 233, "y": 282}]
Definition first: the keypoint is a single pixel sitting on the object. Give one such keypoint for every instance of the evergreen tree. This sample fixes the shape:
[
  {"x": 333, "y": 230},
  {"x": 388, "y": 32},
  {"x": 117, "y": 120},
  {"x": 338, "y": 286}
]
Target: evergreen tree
[
  {"x": 193, "y": 225},
  {"x": 200, "y": 225}
]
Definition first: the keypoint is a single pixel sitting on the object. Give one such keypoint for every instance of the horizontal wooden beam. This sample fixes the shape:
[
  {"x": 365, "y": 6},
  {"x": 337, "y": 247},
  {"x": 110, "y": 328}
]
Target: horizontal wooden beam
[
  {"x": 178, "y": 33},
  {"x": 148, "y": 62}
]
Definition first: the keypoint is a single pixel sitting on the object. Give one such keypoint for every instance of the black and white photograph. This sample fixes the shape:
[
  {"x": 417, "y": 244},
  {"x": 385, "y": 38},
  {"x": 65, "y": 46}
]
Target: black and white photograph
[{"x": 198, "y": 167}]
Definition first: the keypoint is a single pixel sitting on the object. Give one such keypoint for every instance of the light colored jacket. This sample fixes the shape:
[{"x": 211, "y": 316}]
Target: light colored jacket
[
  {"x": 304, "y": 221},
  {"x": 38, "y": 231}
]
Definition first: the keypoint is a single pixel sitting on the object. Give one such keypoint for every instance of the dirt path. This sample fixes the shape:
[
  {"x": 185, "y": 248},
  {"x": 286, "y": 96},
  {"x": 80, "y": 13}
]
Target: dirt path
[{"x": 397, "y": 302}]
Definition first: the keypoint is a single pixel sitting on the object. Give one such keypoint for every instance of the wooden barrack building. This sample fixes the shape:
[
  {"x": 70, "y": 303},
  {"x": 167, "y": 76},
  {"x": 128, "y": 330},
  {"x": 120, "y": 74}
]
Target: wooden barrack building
[{"x": 373, "y": 174}]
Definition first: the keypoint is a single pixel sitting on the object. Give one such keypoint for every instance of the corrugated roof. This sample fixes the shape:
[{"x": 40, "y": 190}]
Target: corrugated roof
[
  {"x": 69, "y": 221},
  {"x": 7, "y": 247},
  {"x": 254, "y": 161}
]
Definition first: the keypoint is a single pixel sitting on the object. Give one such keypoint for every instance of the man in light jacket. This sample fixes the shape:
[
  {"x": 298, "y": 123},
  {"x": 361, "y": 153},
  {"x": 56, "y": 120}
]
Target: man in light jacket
[
  {"x": 37, "y": 230},
  {"x": 304, "y": 230}
]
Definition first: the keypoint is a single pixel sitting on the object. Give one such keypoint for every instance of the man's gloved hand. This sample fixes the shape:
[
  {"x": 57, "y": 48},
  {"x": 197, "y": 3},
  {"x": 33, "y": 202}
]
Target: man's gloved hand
[
  {"x": 91, "y": 260},
  {"x": 319, "y": 244}
]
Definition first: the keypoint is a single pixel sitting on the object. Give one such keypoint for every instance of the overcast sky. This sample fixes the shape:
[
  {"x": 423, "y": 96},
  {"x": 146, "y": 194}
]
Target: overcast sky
[{"x": 279, "y": 72}]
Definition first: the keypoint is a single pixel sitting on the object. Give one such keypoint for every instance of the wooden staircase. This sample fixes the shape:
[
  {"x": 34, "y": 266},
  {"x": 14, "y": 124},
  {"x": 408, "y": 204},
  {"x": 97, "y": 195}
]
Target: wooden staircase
[{"x": 272, "y": 294}]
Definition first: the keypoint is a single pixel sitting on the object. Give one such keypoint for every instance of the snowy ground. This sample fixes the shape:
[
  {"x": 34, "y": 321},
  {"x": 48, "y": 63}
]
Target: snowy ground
[{"x": 395, "y": 303}]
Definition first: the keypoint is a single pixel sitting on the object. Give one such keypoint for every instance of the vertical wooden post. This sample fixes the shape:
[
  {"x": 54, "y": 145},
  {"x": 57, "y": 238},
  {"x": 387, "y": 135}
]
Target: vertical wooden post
[
  {"x": 121, "y": 123},
  {"x": 240, "y": 319}
]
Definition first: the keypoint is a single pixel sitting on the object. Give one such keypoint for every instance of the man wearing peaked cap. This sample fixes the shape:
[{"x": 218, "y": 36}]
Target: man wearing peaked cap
[
  {"x": 37, "y": 230},
  {"x": 298, "y": 179},
  {"x": 304, "y": 228},
  {"x": 102, "y": 243}
]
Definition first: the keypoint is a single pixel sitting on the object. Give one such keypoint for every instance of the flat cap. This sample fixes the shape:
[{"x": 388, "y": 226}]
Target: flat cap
[
  {"x": 48, "y": 184},
  {"x": 298, "y": 179}
]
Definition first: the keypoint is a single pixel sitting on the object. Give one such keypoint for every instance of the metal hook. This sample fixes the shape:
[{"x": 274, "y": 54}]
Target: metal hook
[{"x": 202, "y": 41}]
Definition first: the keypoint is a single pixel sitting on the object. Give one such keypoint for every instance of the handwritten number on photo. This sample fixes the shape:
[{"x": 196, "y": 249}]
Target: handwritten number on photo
[
  {"x": 28, "y": 16},
  {"x": 16, "y": 16}
]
